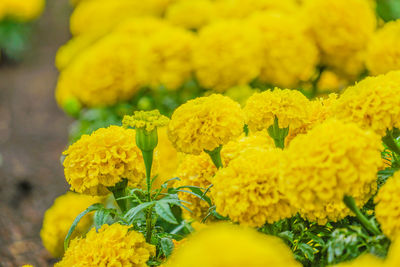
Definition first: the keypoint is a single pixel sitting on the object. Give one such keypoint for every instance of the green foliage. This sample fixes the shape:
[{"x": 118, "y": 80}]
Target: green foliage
[
  {"x": 388, "y": 9},
  {"x": 14, "y": 39}
]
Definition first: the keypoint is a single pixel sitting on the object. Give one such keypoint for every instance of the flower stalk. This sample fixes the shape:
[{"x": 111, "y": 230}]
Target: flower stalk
[
  {"x": 351, "y": 204},
  {"x": 119, "y": 191}
]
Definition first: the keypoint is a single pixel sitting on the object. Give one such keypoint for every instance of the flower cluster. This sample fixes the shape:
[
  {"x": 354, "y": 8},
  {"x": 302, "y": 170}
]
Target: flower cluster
[
  {"x": 149, "y": 120},
  {"x": 114, "y": 245}
]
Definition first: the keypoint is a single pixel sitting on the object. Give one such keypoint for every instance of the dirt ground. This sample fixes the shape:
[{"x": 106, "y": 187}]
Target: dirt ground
[{"x": 33, "y": 133}]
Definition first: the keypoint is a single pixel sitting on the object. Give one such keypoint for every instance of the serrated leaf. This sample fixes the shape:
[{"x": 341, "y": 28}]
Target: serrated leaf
[
  {"x": 77, "y": 219},
  {"x": 167, "y": 246},
  {"x": 130, "y": 215},
  {"x": 307, "y": 250},
  {"x": 164, "y": 211},
  {"x": 287, "y": 235}
]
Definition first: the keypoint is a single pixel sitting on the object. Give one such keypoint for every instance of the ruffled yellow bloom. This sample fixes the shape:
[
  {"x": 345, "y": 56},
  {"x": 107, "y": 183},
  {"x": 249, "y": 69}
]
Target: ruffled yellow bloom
[
  {"x": 232, "y": 246},
  {"x": 148, "y": 120},
  {"x": 321, "y": 109},
  {"x": 366, "y": 260},
  {"x": 332, "y": 160},
  {"x": 239, "y": 9},
  {"x": 103, "y": 15},
  {"x": 289, "y": 54},
  {"x": 59, "y": 218},
  {"x": 226, "y": 54},
  {"x": 191, "y": 14},
  {"x": 205, "y": 123},
  {"x": 195, "y": 170},
  {"x": 387, "y": 210},
  {"x": 341, "y": 28},
  {"x": 171, "y": 61},
  {"x": 373, "y": 103},
  {"x": 291, "y": 108},
  {"x": 110, "y": 70},
  {"x": 23, "y": 11},
  {"x": 248, "y": 190},
  {"x": 141, "y": 26},
  {"x": 383, "y": 53},
  {"x": 112, "y": 245},
  {"x": 103, "y": 159}
]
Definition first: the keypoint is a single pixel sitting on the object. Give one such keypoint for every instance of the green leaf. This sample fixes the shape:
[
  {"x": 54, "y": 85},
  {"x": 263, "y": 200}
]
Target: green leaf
[
  {"x": 164, "y": 211},
  {"x": 100, "y": 217},
  {"x": 130, "y": 215},
  {"x": 167, "y": 246},
  {"x": 91, "y": 208},
  {"x": 307, "y": 250}
]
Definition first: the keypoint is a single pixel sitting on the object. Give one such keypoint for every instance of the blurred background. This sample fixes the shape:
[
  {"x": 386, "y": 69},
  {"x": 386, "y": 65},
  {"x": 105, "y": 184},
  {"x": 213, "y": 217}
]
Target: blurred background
[{"x": 33, "y": 134}]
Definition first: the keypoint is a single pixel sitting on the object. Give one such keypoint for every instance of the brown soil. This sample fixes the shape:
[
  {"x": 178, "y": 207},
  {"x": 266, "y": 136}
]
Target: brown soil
[{"x": 33, "y": 133}]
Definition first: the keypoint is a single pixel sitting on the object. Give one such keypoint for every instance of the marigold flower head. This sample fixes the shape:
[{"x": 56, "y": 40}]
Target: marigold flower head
[
  {"x": 100, "y": 78},
  {"x": 59, "y": 218},
  {"x": 22, "y": 11},
  {"x": 341, "y": 28},
  {"x": 373, "y": 103},
  {"x": 205, "y": 123},
  {"x": 290, "y": 107},
  {"x": 103, "y": 159},
  {"x": 248, "y": 190},
  {"x": 224, "y": 245},
  {"x": 332, "y": 160},
  {"x": 289, "y": 53},
  {"x": 321, "y": 109},
  {"x": 141, "y": 26},
  {"x": 226, "y": 54},
  {"x": 103, "y": 15},
  {"x": 112, "y": 245},
  {"x": 393, "y": 257},
  {"x": 366, "y": 260},
  {"x": 148, "y": 120},
  {"x": 195, "y": 170},
  {"x": 171, "y": 61},
  {"x": 387, "y": 210},
  {"x": 191, "y": 14},
  {"x": 383, "y": 53}
]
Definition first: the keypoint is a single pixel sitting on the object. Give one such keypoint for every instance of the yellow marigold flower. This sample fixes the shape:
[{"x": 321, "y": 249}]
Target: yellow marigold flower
[
  {"x": 248, "y": 189},
  {"x": 226, "y": 54},
  {"x": 387, "y": 210},
  {"x": 366, "y": 260},
  {"x": 141, "y": 26},
  {"x": 191, "y": 14},
  {"x": 332, "y": 160},
  {"x": 59, "y": 218},
  {"x": 240, "y": 93},
  {"x": 289, "y": 54},
  {"x": 232, "y": 246},
  {"x": 341, "y": 28},
  {"x": 195, "y": 170},
  {"x": 148, "y": 120},
  {"x": 373, "y": 103},
  {"x": 100, "y": 78},
  {"x": 23, "y": 11},
  {"x": 112, "y": 245},
  {"x": 290, "y": 107},
  {"x": 393, "y": 257},
  {"x": 103, "y": 15},
  {"x": 321, "y": 109},
  {"x": 27, "y": 265},
  {"x": 103, "y": 159},
  {"x": 171, "y": 61},
  {"x": 383, "y": 53},
  {"x": 205, "y": 123},
  {"x": 73, "y": 47},
  {"x": 228, "y": 9}
]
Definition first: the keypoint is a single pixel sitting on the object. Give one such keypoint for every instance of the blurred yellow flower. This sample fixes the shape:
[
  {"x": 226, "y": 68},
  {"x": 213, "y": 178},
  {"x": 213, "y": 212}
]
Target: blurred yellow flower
[
  {"x": 366, "y": 260},
  {"x": 24, "y": 11}
]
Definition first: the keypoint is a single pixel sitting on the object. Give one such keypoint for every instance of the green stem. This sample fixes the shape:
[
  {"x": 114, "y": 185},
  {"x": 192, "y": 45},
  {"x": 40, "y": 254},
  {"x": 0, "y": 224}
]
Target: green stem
[
  {"x": 215, "y": 156},
  {"x": 351, "y": 204},
  {"x": 148, "y": 162},
  {"x": 149, "y": 225},
  {"x": 119, "y": 190}
]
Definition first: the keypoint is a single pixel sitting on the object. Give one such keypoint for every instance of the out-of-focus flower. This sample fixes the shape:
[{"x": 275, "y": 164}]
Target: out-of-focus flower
[
  {"x": 366, "y": 260},
  {"x": 240, "y": 93},
  {"x": 23, "y": 11}
]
